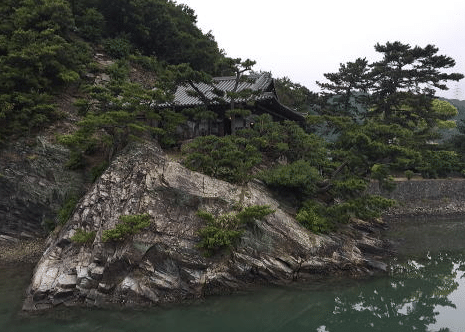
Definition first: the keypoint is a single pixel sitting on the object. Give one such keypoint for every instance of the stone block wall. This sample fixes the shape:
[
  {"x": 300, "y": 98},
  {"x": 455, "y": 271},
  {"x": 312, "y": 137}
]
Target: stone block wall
[{"x": 425, "y": 198}]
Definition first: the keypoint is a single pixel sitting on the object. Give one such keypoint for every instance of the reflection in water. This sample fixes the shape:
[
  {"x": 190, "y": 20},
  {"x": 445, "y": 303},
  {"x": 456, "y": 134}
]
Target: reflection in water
[
  {"x": 409, "y": 300},
  {"x": 425, "y": 291}
]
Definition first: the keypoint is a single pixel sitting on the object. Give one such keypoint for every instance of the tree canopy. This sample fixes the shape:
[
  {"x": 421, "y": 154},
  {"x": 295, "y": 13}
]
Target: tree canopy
[
  {"x": 386, "y": 112},
  {"x": 384, "y": 115},
  {"x": 37, "y": 58}
]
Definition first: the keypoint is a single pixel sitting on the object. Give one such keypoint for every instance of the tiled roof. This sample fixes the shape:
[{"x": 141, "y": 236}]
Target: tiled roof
[
  {"x": 255, "y": 82},
  {"x": 261, "y": 84}
]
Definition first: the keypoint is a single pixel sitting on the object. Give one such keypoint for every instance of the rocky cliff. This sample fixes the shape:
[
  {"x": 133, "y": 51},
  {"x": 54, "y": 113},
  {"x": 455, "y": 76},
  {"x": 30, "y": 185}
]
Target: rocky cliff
[
  {"x": 162, "y": 263},
  {"x": 34, "y": 183}
]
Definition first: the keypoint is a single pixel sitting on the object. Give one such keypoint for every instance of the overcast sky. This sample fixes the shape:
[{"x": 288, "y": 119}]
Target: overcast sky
[{"x": 303, "y": 39}]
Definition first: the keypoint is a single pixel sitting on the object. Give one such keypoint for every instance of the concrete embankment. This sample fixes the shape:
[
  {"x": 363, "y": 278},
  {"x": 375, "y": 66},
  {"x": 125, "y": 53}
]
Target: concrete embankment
[{"x": 438, "y": 198}]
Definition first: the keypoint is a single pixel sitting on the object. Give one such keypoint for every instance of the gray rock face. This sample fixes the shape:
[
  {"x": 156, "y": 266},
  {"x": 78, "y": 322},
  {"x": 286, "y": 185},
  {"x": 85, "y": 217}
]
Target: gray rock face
[
  {"x": 162, "y": 263},
  {"x": 33, "y": 185}
]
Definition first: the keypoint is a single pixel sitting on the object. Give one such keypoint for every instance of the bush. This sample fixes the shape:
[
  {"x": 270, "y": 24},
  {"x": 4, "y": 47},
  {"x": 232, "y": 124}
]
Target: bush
[
  {"x": 409, "y": 174},
  {"x": 82, "y": 237},
  {"x": 67, "y": 209},
  {"x": 310, "y": 217},
  {"x": 439, "y": 163},
  {"x": 319, "y": 218},
  {"x": 367, "y": 208},
  {"x": 118, "y": 47},
  {"x": 300, "y": 175},
  {"x": 219, "y": 233},
  {"x": 225, "y": 230},
  {"x": 228, "y": 158},
  {"x": 130, "y": 225}
]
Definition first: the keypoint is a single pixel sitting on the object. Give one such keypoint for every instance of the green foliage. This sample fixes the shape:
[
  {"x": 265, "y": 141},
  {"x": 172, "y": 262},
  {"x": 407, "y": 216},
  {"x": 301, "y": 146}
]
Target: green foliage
[
  {"x": 117, "y": 47},
  {"x": 83, "y": 237},
  {"x": 288, "y": 139},
  {"x": 346, "y": 90},
  {"x": 321, "y": 218},
  {"x": 67, "y": 209},
  {"x": 75, "y": 161},
  {"x": 365, "y": 207},
  {"x": 129, "y": 225},
  {"x": 394, "y": 114},
  {"x": 299, "y": 175},
  {"x": 91, "y": 24},
  {"x": 119, "y": 112},
  {"x": 224, "y": 231},
  {"x": 311, "y": 217},
  {"x": 251, "y": 213},
  {"x": 294, "y": 95},
  {"x": 380, "y": 172},
  {"x": 348, "y": 187},
  {"x": 229, "y": 158},
  {"x": 39, "y": 54},
  {"x": 149, "y": 63},
  {"x": 439, "y": 164},
  {"x": 98, "y": 170},
  {"x": 409, "y": 174},
  {"x": 153, "y": 27},
  {"x": 37, "y": 58}
]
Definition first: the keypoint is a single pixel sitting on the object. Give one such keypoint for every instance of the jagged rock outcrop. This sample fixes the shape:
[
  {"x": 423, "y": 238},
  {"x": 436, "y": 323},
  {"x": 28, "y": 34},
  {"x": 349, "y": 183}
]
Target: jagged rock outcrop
[
  {"x": 34, "y": 183},
  {"x": 162, "y": 263}
]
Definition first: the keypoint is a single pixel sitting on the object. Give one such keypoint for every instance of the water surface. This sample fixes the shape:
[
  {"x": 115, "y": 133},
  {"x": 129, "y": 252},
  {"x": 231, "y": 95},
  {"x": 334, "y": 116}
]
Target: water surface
[{"x": 425, "y": 291}]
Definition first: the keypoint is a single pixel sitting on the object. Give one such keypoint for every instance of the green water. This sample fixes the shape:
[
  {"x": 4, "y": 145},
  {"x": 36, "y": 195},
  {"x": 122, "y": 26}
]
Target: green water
[{"x": 425, "y": 291}]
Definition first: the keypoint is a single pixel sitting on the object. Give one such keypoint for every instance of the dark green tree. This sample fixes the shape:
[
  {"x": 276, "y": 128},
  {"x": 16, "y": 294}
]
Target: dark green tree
[
  {"x": 401, "y": 114},
  {"x": 295, "y": 95},
  {"x": 160, "y": 28},
  {"x": 346, "y": 92},
  {"x": 38, "y": 57},
  {"x": 404, "y": 86},
  {"x": 120, "y": 111}
]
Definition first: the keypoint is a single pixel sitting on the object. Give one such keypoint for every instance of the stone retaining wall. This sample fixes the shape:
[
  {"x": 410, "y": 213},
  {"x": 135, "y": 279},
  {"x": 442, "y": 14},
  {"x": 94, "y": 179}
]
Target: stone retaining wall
[{"x": 425, "y": 198}]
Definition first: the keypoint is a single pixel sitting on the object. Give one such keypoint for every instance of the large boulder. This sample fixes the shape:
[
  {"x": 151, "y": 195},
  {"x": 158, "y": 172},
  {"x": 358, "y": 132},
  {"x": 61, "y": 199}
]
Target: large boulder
[{"x": 162, "y": 263}]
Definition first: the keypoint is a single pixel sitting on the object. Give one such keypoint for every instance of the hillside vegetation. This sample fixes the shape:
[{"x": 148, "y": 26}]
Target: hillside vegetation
[{"x": 383, "y": 117}]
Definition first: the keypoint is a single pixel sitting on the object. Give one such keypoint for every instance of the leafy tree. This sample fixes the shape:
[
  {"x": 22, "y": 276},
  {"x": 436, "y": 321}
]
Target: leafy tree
[
  {"x": 160, "y": 28},
  {"x": 346, "y": 91},
  {"x": 118, "y": 112},
  {"x": 298, "y": 176},
  {"x": 295, "y": 95},
  {"x": 400, "y": 116},
  {"x": 91, "y": 24},
  {"x": 37, "y": 58}
]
